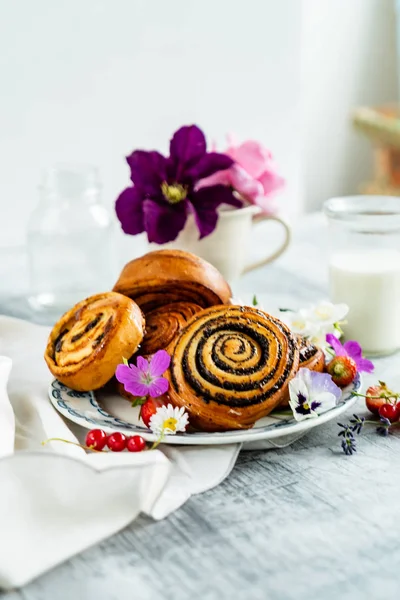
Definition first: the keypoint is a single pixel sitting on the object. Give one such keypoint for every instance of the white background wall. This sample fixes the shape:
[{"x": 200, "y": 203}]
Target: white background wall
[
  {"x": 90, "y": 80},
  {"x": 348, "y": 60}
]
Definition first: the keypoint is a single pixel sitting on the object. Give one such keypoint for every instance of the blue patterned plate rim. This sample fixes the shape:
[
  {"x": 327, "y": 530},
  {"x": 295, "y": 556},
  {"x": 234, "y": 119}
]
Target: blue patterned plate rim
[{"x": 84, "y": 409}]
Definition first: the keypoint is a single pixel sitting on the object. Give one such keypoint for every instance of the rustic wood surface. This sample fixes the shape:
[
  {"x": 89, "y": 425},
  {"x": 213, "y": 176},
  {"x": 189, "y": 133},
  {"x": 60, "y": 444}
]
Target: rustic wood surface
[{"x": 304, "y": 522}]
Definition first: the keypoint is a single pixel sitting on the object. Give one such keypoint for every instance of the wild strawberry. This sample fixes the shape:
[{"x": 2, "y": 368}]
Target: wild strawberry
[
  {"x": 343, "y": 370},
  {"x": 149, "y": 408},
  {"x": 379, "y": 395}
]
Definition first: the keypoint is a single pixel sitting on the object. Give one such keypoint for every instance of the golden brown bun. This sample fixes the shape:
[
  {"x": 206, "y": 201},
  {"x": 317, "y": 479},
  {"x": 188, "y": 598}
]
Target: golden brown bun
[
  {"x": 167, "y": 276},
  {"x": 311, "y": 357},
  {"x": 164, "y": 323},
  {"x": 89, "y": 341},
  {"x": 230, "y": 367}
]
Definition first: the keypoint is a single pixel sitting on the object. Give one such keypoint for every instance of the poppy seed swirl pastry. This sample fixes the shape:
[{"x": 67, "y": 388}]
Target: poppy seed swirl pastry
[
  {"x": 167, "y": 276},
  {"x": 230, "y": 366},
  {"x": 164, "y": 323},
  {"x": 311, "y": 357},
  {"x": 89, "y": 341}
]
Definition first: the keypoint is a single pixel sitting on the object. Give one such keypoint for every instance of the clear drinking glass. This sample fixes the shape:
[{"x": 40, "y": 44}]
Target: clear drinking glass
[
  {"x": 69, "y": 241},
  {"x": 364, "y": 268}
]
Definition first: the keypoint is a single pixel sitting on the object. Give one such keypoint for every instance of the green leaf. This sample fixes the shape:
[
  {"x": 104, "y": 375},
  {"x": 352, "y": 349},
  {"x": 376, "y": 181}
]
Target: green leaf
[
  {"x": 139, "y": 401},
  {"x": 286, "y": 310},
  {"x": 255, "y": 301},
  {"x": 124, "y": 360}
]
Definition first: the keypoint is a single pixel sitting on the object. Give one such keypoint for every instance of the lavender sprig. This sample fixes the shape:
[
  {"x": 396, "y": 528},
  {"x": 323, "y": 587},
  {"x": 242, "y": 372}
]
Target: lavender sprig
[
  {"x": 384, "y": 428},
  {"x": 357, "y": 424}
]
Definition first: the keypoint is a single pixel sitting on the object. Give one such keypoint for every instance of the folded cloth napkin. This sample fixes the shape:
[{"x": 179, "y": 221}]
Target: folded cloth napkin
[{"x": 56, "y": 500}]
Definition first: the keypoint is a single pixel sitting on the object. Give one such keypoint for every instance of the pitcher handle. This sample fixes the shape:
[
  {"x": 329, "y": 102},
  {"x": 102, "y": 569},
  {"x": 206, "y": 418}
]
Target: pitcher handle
[{"x": 268, "y": 259}]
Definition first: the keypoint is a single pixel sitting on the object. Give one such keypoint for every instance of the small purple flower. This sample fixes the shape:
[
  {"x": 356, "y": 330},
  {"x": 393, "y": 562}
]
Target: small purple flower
[
  {"x": 145, "y": 379},
  {"x": 384, "y": 428},
  {"x": 357, "y": 424},
  {"x": 353, "y": 350},
  {"x": 165, "y": 189},
  {"x": 349, "y": 446}
]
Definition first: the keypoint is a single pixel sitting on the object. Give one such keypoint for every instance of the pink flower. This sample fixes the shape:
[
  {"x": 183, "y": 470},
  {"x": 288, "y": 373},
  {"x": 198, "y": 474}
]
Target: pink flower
[
  {"x": 353, "y": 350},
  {"x": 145, "y": 379},
  {"x": 253, "y": 175}
]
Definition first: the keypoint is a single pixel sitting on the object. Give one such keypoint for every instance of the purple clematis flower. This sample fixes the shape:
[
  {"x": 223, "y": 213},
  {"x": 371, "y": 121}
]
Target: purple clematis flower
[
  {"x": 353, "y": 350},
  {"x": 145, "y": 379},
  {"x": 165, "y": 189}
]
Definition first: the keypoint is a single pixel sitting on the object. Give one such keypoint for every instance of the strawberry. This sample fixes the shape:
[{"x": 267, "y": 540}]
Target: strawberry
[
  {"x": 149, "y": 408},
  {"x": 378, "y": 395},
  {"x": 343, "y": 370}
]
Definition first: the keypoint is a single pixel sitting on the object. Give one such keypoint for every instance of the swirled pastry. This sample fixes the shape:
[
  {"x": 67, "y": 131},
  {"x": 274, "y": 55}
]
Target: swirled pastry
[
  {"x": 311, "y": 357},
  {"x": 89, "y": 341},
  {"x": 167, "y": 276},
  {"x": 230, "y": 367},
  {"x": 164, "y": 323}
]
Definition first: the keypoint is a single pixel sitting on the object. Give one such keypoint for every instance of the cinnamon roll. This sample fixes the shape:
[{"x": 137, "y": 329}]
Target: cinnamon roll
[
  {"x": 164, "y": 323},
  {"x": 167, "y": 276},
  {"x": 230, "y": 366},
  {"x": 89, "y": 341},
  {"x": 311, "y": 357}
]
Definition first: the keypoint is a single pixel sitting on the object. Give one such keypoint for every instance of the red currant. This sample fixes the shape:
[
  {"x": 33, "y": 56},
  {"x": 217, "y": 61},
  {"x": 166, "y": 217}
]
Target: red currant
[
  {"x": 116, "y": 442},
  {"x": 389, "y": 411},
  {"x": 135, "y": 444},
  {"x": 96, "y": 439}
]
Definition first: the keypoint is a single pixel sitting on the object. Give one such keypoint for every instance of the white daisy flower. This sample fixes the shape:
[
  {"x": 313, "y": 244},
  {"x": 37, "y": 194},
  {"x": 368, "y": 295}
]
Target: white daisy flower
[{"x": 167, "y": 420}]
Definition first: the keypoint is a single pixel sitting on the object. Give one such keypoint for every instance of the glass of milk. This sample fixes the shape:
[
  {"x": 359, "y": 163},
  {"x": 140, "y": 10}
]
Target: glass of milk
[{"x": 364, "y": 268}]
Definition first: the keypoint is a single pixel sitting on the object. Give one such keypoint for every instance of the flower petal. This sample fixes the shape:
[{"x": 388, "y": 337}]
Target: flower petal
[
  {"x": 129, "y": 209},
  {"x": 123, "y": 373},
  {"x": 159, "y": 363},
  {"x": 321, "y": 383},
  {"x": 245, "y": 185},
  {"x": 364, "y": 365},
  {"x": 209, "y": 164},
  {"x": 142, "y": 364},
  {"x": 205, "y": 203},
  {"x": 252, "y": 156},
  {"x": 158, "y": 387},
  {"x": 137, "y": 388},
  {"x": 148, "y": 170},
  {"x": 187, "y": 147},
  {"x": 271, "y": 182},
  {"x": 336, "y": 344},
  {"x": 163, "y": 222}
]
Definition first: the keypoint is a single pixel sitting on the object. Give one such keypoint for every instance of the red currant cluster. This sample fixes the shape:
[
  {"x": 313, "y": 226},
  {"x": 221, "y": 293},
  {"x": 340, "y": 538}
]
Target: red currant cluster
[{"x": 97, "y": 439}]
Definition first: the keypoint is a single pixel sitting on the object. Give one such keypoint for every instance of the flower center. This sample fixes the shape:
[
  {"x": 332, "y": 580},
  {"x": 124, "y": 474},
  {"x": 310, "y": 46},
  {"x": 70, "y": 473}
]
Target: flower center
[
  {"x": 322, "y": 313},
  {"x": 170, "y": 423},
  {"x": 299, "y": 324},
  {"x": 147, "y": 378},
  {"x": 173, "y": 193}
]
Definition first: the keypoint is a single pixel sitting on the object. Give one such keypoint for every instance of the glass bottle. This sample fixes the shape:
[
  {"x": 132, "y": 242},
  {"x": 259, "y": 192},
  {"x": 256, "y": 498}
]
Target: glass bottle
[
  {"x": 364, "y": 268},
  {"x": 68, "y": 241}
]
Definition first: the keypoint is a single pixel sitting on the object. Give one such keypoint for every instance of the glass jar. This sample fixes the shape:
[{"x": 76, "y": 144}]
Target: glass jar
[
  {"x": 364, "y": 268},
  {"x": 68, "y": 241}
]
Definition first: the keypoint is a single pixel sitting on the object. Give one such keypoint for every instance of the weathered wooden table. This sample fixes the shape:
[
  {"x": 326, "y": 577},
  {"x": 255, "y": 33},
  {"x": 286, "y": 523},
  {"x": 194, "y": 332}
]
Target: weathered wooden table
[{"x": 304, "y": 522}]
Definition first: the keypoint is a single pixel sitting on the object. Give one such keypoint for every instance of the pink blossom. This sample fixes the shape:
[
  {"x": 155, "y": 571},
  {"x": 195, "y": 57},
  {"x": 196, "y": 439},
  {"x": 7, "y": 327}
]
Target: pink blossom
[
  {"x": 253, "y": 175},
  {"x": 145, "y": 379}
]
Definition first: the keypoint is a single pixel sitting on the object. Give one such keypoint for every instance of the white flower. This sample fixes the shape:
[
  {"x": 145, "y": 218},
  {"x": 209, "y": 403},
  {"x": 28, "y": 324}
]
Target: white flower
[
  {"x": 312, "y": 393},
  {"x": 325, "y": 313},
  {"x": 167, "y": 420},
  {"x": 299, "y": 323}
]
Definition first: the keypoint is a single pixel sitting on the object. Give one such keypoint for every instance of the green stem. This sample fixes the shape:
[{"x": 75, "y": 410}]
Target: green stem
[
  {"x": 69, "y": 442},
  {"x": 158, "y": 442}
]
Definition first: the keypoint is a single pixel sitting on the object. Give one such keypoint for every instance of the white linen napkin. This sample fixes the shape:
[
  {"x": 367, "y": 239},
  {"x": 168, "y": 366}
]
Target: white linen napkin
[{"x": 56, "y": 500}]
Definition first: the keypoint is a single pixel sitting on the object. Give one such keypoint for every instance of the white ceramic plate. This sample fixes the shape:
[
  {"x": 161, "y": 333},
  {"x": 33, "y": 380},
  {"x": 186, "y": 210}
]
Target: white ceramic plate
[{"x": 112, "y": 413}]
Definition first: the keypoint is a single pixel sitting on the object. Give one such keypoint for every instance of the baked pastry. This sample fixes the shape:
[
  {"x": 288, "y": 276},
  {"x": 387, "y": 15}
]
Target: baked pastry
[
  {"x": 89, "y": 341},
  {"x": 164, "y": 323},
  {"x": 167, "y": 276},
  {"x": 311, "y": 357},
  {"x": 230, "y": 366}
]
